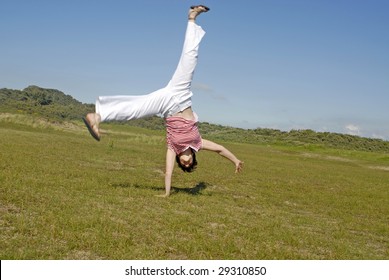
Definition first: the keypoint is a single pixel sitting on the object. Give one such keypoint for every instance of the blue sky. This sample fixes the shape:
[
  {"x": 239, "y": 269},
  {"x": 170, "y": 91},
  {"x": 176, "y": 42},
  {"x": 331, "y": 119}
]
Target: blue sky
[{"x": 283, "y": 64}]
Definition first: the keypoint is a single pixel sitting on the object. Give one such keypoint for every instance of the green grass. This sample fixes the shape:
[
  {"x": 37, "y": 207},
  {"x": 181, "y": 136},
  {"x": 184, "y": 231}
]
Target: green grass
[{"x": 65, "y": 196}]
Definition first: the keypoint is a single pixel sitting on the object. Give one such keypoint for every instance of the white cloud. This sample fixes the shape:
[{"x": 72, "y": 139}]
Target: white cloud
[
  {"x": 209, "y": 91},
  {"x": 353, "y": 129},
  {"x": 202, "y": 87},
  {"x": 378, "y": 136}
]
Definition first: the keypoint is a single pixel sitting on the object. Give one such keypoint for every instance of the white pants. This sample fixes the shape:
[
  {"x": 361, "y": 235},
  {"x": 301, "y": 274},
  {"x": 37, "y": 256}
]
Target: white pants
[{"x": 173, "y": 98}]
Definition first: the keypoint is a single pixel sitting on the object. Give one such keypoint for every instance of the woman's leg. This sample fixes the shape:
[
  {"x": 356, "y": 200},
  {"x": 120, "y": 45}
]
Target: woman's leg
[
  {"x": 182, "y": 78},
  {"x": 128, "y": 107}
]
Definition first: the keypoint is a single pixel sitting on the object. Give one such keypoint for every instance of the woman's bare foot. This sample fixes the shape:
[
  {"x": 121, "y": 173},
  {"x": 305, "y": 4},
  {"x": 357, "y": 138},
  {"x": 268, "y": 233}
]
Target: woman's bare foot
[
  {"x": 92, "y": 122},
  {"x": 195, "y": 11}
]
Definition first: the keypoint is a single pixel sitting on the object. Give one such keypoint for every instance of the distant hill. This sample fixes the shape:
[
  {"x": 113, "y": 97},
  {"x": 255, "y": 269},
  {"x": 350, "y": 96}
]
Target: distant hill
[
  {"x": 57, "y": 106},
  {"x": 49, "y": 103}
]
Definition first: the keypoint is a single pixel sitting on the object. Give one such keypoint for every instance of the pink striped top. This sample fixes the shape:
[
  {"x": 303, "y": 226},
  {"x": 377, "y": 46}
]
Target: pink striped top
[{"x": 182, "y": 134}]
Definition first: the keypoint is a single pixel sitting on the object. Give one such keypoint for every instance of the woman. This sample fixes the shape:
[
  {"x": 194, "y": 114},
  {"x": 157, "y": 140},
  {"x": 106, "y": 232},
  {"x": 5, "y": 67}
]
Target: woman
[{"x": 174, "y": 103}]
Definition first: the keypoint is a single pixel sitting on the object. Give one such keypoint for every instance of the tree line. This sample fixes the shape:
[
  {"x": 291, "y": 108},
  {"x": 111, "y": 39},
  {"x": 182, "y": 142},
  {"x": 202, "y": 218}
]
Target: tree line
[
  {"x": 49, "y": 103},
  {"x": 57, "y": 106}
]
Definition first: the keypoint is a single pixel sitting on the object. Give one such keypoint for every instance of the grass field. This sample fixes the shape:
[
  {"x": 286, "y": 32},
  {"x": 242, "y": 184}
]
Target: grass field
[{"x": 65, "y": 196}]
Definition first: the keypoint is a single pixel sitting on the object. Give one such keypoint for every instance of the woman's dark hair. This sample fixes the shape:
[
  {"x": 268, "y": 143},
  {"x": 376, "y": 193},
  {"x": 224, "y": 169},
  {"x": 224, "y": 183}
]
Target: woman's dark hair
[{"x": 192, "y": 167}]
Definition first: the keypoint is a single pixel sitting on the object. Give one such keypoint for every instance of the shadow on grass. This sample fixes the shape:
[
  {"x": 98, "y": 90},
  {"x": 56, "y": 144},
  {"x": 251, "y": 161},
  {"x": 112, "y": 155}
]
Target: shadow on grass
[{"x": 196, "y": 190}]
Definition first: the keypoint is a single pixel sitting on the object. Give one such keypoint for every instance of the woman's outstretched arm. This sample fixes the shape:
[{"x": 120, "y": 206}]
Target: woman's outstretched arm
[
  {"x": 221, "y": 150},
  {"x": 170, "y": 159}
]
